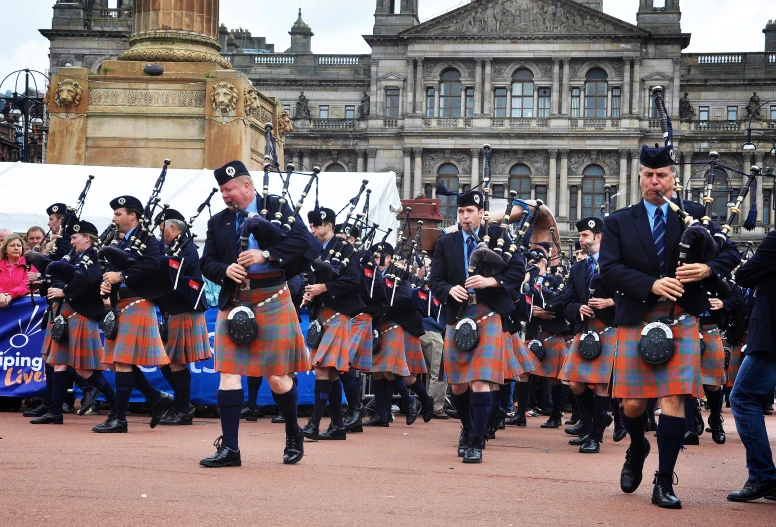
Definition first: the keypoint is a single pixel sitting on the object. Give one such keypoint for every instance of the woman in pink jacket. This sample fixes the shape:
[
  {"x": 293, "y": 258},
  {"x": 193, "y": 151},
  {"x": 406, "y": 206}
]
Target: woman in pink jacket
[{"x": 13, "y": 270}]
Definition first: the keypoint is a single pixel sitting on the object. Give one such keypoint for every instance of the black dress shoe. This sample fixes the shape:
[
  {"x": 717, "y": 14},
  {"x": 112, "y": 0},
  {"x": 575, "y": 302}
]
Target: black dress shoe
[
  {"x": 452, "y": 413},
  {"x": 620, "y": 432},
  {"x": 651, "y": 425},
  {"x": 502, "y": 417},
  {"x": 473, "y": 454},
  {"x": 334, "y": 433},
  {"x": 224, "y": 457},
  {"x": 517, "y": 420},
  {"x": 249, "y": 414},
  {"x": 67, "y": 408},
  {"x": 755, "y": 489},
  {"x": 630, "y": 477},
  {"x": 576, "y": 430},
  {"x": 376, "y": 420},
  {"x": 690, "y": 439},
  {"x": 441, "y": 415},
  {"x": 278, "y": 419},
  {"x": 294, "y": 451},
  {"x": 717, "y": 432},
  {"x": 699, "y": 424},
  {"x": 90, "y": 394},
  {"x": 574, "y": 419},
  {"x": 310, "y": 431},
  {"x": 159, "y": 407},
  {"x": 177, "y": 418},
  {"x": 412, "y": 411},
  {"x": 427, "y": 409},
  {"x": 111, "y": 426},
  {"x": 663, "y": 493},
  {"x": 48, "y": 419},
  {"x": 37, "y": 411},
  {"x": 578, "y": 441},
  {"x": 112, "y": 415},
  {"x": 353, "y": 422},
  {"x": 591, "y": 446},
  {"x": 464, "y": 442},
  {"x": 552, "y": 422}
]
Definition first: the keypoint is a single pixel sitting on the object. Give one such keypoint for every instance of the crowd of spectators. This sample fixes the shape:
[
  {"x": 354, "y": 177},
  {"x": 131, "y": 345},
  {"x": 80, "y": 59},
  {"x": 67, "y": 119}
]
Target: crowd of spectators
[{"x": 13, "y": 266}]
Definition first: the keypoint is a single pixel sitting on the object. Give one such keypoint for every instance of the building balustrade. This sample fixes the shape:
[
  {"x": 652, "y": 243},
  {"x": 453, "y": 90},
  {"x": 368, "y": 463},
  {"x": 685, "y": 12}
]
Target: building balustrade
[{"x": 333, "y": 124}]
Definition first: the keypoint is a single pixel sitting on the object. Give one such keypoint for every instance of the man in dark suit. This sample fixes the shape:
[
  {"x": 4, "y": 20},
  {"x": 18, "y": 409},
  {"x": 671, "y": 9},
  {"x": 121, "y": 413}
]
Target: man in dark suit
[
  {"x": 640, "y": 260},
  {"x": 757, "y": 375}
]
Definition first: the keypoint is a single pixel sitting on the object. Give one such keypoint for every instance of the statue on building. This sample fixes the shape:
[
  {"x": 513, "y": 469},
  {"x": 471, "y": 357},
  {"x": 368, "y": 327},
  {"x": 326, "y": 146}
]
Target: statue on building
[
  {"x": 686, "y": 111},
  {"x": 363, "y": 110},
  {"x": 302, "y": 108},
  {"x": 753, "y": 108}
]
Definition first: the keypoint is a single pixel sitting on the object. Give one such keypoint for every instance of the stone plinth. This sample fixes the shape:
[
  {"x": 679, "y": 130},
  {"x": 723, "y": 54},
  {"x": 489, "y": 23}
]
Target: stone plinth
[{"x": 426, "y": 210}]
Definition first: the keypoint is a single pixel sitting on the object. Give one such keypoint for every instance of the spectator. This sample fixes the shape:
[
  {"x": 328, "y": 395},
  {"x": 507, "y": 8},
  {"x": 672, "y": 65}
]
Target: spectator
[
  {"x": 13, "y": 272},
  {"x": 35, "y": 236},
  {"x": 4, "y": 233}
]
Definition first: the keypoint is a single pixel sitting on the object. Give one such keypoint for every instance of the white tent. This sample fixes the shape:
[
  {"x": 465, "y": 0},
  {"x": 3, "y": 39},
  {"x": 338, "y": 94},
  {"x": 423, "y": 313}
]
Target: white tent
[{"x": 27, "y": 189}]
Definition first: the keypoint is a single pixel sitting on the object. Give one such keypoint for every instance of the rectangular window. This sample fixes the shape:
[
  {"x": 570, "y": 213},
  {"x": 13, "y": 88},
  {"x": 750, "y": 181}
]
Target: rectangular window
[
  {"x": 466, "y": 188},
  {"x": 773, "y": 113},
  {"x": 469, "y": 102},
  {"x": 616, "y": 102},
  {"x": 767, "y": 206},
  {"x": 428, "y": 190},
  {"x": 575, "y": 95},
  {"x": 392, "y": 102},
  {"x": 541, "y": 193},
  {"x": 732, "y": 113},
  {"x": 430, "y": 101},
  {"x": 595, "y": 100},
  {"x": 350, "y": 112},
  {"x": 573, "y": 203},
  {"x": 522, "y": 99},
  {"x": 498, "y": 191},
  {"x": 703, "y": 113},
  {"x": 323, "y": 112},
  {"x": 544, "y": 102},
  {"x": 500, "y": 104}
]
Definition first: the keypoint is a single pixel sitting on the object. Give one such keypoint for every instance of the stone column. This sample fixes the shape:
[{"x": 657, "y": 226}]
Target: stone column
[
  {"x": 579, "y": 202},
  {"x": 409, "y": 91},
  {"x": 305, "y": 153},
  {"x": 609, "y": 102},
  {"x": 372, "y": 154},
  {"x": 565, "y": 95},
  {"x": 555, "y": 87},
  {"x": 635, "y": 189},
  {"x": 478, "y": 89},
  {"x": 552, "y": 189},
  {"x": 563, "y": 211},
  {"x": 536, "y": 100},
  {"x": 636, "y": 87},
  {"x": 475, "y": 179},
  {"x": 676, "y": 92},
  {"x": 419, "y": 85},
  {"x": 622, "y": 199},
  {"x": 463, "y": 101},
  {"x": 406, "y": 179},
  {"x": 488, "y": 110},
  {"x": 687, "y": 170},
  {"x": 373, "y": 89},
  {"x": 418, "y": 176},
  {"x": 67, "y": 124},
  {"x": 626, "y": 88},
  {"x": 437, "y": 100},
  {"x": 360, "y": 160},
  {"x": 297, "y": 155},
  {"x": 509, "y": 104}
]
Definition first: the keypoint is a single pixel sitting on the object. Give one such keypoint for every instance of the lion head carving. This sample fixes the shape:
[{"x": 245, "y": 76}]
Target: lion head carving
[
  {"x": 285, "y": 126},
  {"x": 223, "y": 97},
  {"x": 251, "y": 96},
  {"x": 68, "y": 93}
]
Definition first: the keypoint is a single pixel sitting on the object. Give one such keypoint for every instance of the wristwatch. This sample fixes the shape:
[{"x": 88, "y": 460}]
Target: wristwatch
[
  {"x": 121, "y": 277},
  {"x": 265, "y": 254}
]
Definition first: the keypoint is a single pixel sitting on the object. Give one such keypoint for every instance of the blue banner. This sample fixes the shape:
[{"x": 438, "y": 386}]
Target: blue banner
[{"x": 23, "y": 373}]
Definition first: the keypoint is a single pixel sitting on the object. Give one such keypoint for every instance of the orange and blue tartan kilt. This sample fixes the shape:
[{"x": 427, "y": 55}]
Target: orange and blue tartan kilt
[
  {"x": 636, "y": 379},
  {"x": 598, "y": 370},
  {"x": 489, "y": 361},
  {"x": 83, "y": 349},
  {"x": 138, "y": 341},
  {"x": 391, "y": 358},
  {"x": 713, "y": 359},
  {"x": 278, "y": 349},
  {"x": 555, "y": 353},
  {"x": 526, "y": 360},
  {"x": 361, "y": 342},
  {"x": 736, "y": 358},
  {"x": 413, "y": 353},
  {"x": 187, "y": 338},
  {"x": 514, "y": 370},
  {"x": 334, "y": 350}
]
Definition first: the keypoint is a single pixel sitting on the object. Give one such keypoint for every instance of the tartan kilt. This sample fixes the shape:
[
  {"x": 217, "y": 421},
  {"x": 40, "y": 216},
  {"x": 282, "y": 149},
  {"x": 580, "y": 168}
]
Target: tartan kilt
[
  {"x": 334, "y": 350},
  {"x": 526, "y": 360},
  {"x": 736, "y": 358},
  {"x": 138, "y": 341},
  {"x": 187, "y": 338},
  {"x": 391, "y": 358},
  {"x": 713, "y": 359},
  {"x": 514, "y": 370},
  {"x": 555, "y": 353},
  {"x": 489, "y": 361},
  {"x": 636, "y": 379},
  {"x": 279, "y": 348},
  {"x": 598, "y": 370},
  {"x": 413, "y": 354},
  {"x": 83, "y": 349},
  {"x": 361, "y": 342}
]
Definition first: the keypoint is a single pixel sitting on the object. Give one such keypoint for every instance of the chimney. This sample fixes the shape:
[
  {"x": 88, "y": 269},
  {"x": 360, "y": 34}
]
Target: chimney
[
  {"x": 301, "y": 36},
  {"x": 770, "y": 36}
]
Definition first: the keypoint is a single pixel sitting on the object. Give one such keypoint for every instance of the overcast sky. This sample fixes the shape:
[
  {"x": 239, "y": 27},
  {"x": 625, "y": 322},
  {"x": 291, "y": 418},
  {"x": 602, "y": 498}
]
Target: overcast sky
[{"x": 716, "y": 25}]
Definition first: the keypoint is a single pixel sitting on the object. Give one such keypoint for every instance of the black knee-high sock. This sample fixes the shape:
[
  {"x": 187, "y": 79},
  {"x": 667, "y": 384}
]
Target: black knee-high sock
[
  {"x": 481, "y": 404},
  {"x": 322, "y": 394},
  {"x": 143, "y": 386},
  {"x": 182, "y": 383},
  {"x": 574, "y": 403},
  {"x": 670, "y": 433},
  {"x": 77, "y": 379},
  {"x": 49, "y": 379},
  {"x": 230, "y": 403},
  {"x": 523, "y": 390},
  {"x": 495, "y": 401},
  {"x": 715, "y": 403},
  {"x": 404, "y": 393},
  {"x": 350, "y": 385},
  {"x": 506, "y": 393},
  {"x": 690, "y": 403},
  {"x": 557, "y": 401},
  {"x": 565, "y": 396},
  {"x": 616, "y": 410},
  {"x": 463, "y": 405},
  {"x": 419, "y": 388},
  {"x": 585, "y": 400},
  {"x": 381, "y": 402},
  {"x": 125, "y": 381},
  {"x": 59, "y": 383},
  {"x": 635, "y": 427},
  {"x": 98, "y": 380},
  {"x": 335, "y": 403},
  {"x": 651, "y": 404},
  {"x": 166, "y": 372},
  {"x": 600, "y": 411},
  {"x": 287, "y": 404},
  {"x": 254, "y": 383}
]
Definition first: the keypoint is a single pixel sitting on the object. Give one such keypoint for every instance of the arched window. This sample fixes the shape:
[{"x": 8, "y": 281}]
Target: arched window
[
  {"x": 522, "y": 93},
  {"x": 448, "y": 174},
  {"x": 595, "y": 94},
  {"x": 450, "y": 94},
  {"x": 335, "y": 167},
  {"x": 520, "y": 181},
  {"x": 592, "y": 190}
]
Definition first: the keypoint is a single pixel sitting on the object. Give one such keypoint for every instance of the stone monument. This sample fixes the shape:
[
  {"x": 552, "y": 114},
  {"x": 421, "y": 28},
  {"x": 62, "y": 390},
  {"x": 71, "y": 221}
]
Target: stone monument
[{"x": 170, "y": 95}]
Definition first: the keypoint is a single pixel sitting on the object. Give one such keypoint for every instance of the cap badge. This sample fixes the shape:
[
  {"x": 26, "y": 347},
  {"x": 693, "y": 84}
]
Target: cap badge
[
  {"x": 76, "y": 228},
  {"x": 477, "y": 199},
  {"x": 230, "y": 171},
  {"x": 55, "y": 208},
  {"x": 122, "y": 201},
  {"x": 323, "y": 215},
  {"x": 672, "y": 155},
  {"x": 591, "y": 224}
]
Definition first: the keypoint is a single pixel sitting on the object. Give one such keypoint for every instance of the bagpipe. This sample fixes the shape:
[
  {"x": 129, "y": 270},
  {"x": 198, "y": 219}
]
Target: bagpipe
[{"x": 186, "y": 237}]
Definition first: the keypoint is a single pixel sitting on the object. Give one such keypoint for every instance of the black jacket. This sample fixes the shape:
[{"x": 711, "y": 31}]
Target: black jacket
[
  {"x": 182, "y": 299},
  {"x": 141, "y": 274},
  {"x": 735, "y": 320},
  {"x": 577, "y": 295},
  {"x": 371, "y": 287},
  {"x": 403, "y": 310},
  {"x": 342, "y": 290},
  {"x": 759, "y": 271},
  {"x": 82, "y": 291},
  {"x": 629, "y": 261},
  {"x": 556, "y": 326}
]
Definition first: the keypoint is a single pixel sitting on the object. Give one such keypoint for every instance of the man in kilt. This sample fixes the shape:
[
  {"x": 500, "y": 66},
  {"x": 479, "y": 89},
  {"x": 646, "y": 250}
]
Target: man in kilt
[
  {"x": 332, "y": 299},
  {"x": 639, "y": 259},
  {"x": 183, "y": 309},
  {"x": 131, "y": 284},
  {"x": 256, "y": 279},
  {"x": 472, "y": 375},
  {"x": 589, "y": 306}
]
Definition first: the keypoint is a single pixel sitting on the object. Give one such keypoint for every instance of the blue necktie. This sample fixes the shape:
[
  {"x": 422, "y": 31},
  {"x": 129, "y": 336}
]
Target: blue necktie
[
  {"x": 590, "y": 271},
  {"x": 240, "y": 219},
  {"x": 470, "y": 246},
  {"x": 659, "y": 235}
]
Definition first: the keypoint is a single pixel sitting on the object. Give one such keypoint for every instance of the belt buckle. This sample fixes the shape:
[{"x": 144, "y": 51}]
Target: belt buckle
[
  {"x": 472, "y": 300},
  {"x": 245, "y": 285}
]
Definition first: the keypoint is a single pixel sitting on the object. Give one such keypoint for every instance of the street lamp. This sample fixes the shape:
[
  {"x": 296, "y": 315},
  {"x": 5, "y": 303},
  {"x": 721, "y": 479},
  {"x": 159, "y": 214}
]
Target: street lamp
[{"x": 22, "y": 115}]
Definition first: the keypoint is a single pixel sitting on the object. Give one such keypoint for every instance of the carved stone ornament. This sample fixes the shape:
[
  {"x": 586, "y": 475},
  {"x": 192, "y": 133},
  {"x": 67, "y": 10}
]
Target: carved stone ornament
[
  {"x": 285, "y": 126},
  {"x": 68, "y": 93},
  {"x": 146, "y": 98},
  {"x": 433, "y": 160},
  {"x": 173, "y": 55},
  {"x": 251, "y": 100},
  {"x": 223, "y": 97}
]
